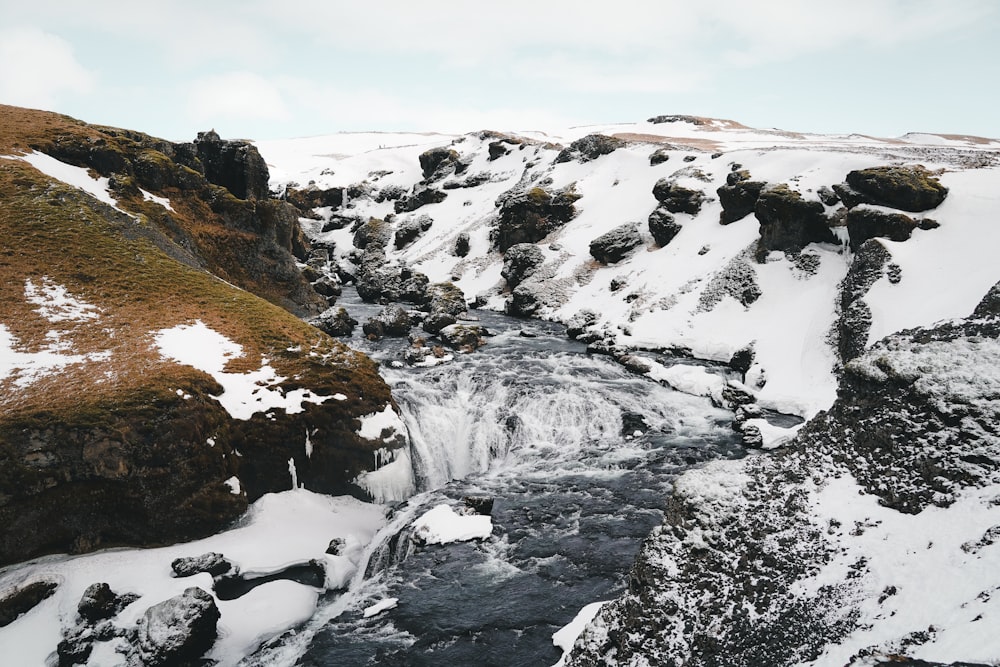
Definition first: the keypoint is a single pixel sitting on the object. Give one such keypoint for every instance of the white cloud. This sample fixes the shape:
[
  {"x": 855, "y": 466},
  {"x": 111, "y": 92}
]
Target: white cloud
[
  {"x": 37, "y": 69},
  {"x": 235, "y": 95}
]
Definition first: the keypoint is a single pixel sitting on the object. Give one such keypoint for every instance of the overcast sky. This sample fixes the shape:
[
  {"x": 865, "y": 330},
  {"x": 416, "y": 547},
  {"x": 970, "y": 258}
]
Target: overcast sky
[{"x": 288, "y": 68}]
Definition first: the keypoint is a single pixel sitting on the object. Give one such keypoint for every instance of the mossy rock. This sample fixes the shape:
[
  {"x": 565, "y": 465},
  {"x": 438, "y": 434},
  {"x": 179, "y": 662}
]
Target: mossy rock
[
  {"x": 866, "y": 223},
  {"x": 788, "y": 222},
  {"x": 908, "y": 188}
]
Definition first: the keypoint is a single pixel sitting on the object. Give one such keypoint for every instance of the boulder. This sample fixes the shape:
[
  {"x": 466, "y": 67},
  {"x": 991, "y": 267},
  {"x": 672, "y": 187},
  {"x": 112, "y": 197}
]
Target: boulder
[
  {"x": 590, "y": 148},
  {"x": 437, "y": 163},
  {"x": 908, "y": 188},
  {"x": 466, "y": 337},
  {"x": 212, "y": 562},
  {"x": 676, "y": 198},
  {"x": 865, "y": 223},
  {"x": 23, "y": 599},
  {"x": 662, "y": 226},
  {"x": 520, "y": 261},
  {"x": 336, "y": 546},
  {"x": 528, "y": 216},
  {"x": 580, "y": 323},
  {"x": 479, "y": 504},
  {"x": 659, "y": 156},
  {"x": 446, "y": 303},
  {"x": 179, "y": 630},
  {"x": 373, "y": 232},
  {"x": 408, "y": 231},
  {"x": 99, "y": 602},
  {"x": 312, "y": 197},
  {"x": 391, "y": 321},
  {"x": 421, "y": 197},
  {"x": 738, "y": 199},
  {"x": 461, "y": 245},
  {"x": 497, "y": 149},
  {"x": 788, "y": 222},
  {"x": 335, "y": 322},
  {"x": 616, "y": 244}
]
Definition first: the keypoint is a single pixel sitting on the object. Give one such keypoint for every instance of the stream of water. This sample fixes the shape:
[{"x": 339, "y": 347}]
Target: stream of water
[{"x": 578, "y": 455}]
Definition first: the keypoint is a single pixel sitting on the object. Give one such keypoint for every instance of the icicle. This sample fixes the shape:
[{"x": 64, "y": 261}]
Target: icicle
[{"x": 293, "y": 473}]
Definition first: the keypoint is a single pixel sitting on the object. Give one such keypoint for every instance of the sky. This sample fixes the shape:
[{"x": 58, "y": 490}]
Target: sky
[{"x": 291, "y": 68}]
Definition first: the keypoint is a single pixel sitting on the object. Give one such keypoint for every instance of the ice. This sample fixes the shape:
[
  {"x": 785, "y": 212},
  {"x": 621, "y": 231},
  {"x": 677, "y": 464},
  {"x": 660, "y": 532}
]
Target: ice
[
  {"x": 375, "y": 424},
  {"x": 565, "y": 637},
  {"x": 380, "y": 606}
]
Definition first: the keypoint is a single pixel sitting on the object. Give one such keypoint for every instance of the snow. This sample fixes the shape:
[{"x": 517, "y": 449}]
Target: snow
[
  {"x": 375, "y": 424},
  {"x": 244, "y": 394},
  {"x": 78, "y": 177},
  {"x": 234, "y": 485},
  {"x": 566, "y": 636},
  {"x": 56, "y": 304},
  {"x": 26, "y": 368},
  {"x": 162, "y": 201},
  {"x": 280, "y": 529},
  {"x": 937, "y": 579},
  {"x": 380, "y": 606},
  {"x": 443, "y": 525}
]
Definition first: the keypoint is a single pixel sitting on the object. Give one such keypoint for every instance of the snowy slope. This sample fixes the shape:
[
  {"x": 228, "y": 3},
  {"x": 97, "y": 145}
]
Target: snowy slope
[{"x": 663, "y": 301}]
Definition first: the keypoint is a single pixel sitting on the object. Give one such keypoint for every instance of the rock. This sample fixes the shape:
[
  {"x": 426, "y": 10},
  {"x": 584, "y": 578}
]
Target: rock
[
  {"x": 751, "y": 436},
  {"x": 529, "y": 216},
  {"x": 235, "y": 165},
  {"x": 420, "y": 197},
  {"x": 788, "y": 222},
  {"x": 446, "y": 303},
  {"x": 411, "y": 229},
  {"x": 212, "y": 562},
  {"x": 479, "y": 504},
  {"x": 23, "y": 599},
  {"x": 677, "y": 118},
  {"x": 375, "y": 232},
  {"x": 391, "y": 321},
  {"x": 866, "y": 223},
  {"x": 742, "y": 359},
  {"x": 336, "y": 546},
  {"x": 827, "y": 196},
  {"x": 745, "y": 411},
  {"x": 989, "y": 306},
  {"x": 737, "y": 279},
  {"x": 659, "y": 156},
  {"x": 329, "y": 287},
  {"x": 590, "y": 148},
  {"x": 335, "y": 322},
  {"x": 678, "y": 199},
  {"x": 461, "y": 245},
  {"x": 853, "y": 324},
  {"x": 909, "y": 188},
  {"x": 633, "y": 423},
  {"x": 662, "y": 226},
  {"x": 437, "y": 163},
  {"x": 635, "y": 364},
  {"x": 733, "y": 394},
  {"x": 179, "y": 630},
  {"x": 521, "y": 261},
  {"x": 497, "y": 149},
  {"x": 738, "y": 199},
  {"x": 313, "y": 197},
  {"x": 76, "y": 645},
  {"x": 99, "y": 602},
  {"x": 466, "y": 337},
  {"x": 617, "y": 244},
  {"x": 580, "y": 322}
]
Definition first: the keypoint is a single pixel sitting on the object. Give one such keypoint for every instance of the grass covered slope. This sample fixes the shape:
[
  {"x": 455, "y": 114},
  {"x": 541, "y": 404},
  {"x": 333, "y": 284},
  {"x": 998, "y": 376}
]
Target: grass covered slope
[{"x": 105, "y": 438}]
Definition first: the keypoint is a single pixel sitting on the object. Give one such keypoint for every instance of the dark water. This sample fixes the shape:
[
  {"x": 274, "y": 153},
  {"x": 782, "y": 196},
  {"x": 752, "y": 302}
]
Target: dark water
[{"x": 578, "y": 454}]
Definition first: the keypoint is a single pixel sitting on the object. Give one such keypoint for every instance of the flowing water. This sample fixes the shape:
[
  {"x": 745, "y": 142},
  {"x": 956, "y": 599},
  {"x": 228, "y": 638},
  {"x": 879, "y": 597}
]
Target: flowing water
[{"x": 578, "y": 455}]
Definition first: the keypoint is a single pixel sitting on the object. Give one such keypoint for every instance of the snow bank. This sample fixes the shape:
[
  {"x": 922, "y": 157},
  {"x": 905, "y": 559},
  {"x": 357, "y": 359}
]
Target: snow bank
[
  {"x": 442, "y": 525},
  {"x": 244, "y": 394},
  {"x": 566, "y": 636}
]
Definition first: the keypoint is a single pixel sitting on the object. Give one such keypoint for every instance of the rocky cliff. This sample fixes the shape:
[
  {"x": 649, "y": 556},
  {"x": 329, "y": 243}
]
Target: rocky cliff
[{"x": 150, "y": 384}]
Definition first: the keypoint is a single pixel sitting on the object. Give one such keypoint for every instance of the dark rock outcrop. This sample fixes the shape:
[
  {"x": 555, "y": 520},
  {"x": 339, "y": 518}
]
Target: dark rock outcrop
[
  {"x": 437, "y": 163},
  {"x": 855, "y": 319},
  {"x": 99, "y": 602},
  {"x": 465, "y": 337},
  {"x": 306, "y": 199},
  {"x": 461, "y": 245},
  {"x": 788, "y": 222},
  {"x": 617, "y": 244},
  {"x": 446, "y": 303},
  {"x": 908, "y": 188},
  {"x": 178, "y": 631},
  {"x": 373, "y": 232},
  {"x": 235, "y": 165},
  {"x": 867, "y": 223},
  {"x": 676, "y": 198},
  {"x": 662, "y": 226},
  {"x": 738, "y": 198},
  {"x": 519, "y": 262},
  {"x": 589, "y": 148},
  {"x": 528, "y": 216},
  {"x": 408, "y": 231},
  {"x": 659, "y": 156},
  {"x": 421, "y": 197}
]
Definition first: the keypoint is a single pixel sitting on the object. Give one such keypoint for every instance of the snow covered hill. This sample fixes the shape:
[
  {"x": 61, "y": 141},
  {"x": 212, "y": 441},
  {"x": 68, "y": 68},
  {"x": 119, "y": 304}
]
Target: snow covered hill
[{"x": 796, "y": 259}]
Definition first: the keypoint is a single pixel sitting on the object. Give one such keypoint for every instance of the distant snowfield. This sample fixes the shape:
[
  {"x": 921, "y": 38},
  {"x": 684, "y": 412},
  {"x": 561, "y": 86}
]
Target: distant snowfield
[{"x": 945, "y": 270}]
